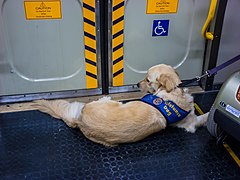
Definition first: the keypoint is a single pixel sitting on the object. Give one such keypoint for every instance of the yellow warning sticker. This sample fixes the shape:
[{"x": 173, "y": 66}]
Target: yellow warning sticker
[
  {"x": 162, "y": 6},
  {"x": 48, "y": 9}
]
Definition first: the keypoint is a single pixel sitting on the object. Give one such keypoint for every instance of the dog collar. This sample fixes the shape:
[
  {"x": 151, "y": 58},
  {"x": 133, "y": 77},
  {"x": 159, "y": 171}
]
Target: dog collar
[{"x": 170, "y": 110}]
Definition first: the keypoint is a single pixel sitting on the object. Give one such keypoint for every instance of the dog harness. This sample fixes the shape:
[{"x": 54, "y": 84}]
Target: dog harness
[{"x": 170, "y": 110}]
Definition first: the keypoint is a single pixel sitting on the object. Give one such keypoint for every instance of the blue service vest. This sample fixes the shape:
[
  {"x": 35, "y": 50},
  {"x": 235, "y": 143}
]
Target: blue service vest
[{"x": 171, "y": 111}]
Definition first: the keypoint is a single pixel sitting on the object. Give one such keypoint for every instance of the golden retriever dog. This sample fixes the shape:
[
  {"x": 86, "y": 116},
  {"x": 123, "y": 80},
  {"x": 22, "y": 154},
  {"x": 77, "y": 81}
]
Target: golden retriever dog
[{"x": 111, "y": 123}]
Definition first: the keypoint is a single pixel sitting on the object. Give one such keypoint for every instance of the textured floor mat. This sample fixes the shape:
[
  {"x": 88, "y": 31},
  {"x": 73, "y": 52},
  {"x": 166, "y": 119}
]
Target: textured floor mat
[{"x": 34, "y": 145}]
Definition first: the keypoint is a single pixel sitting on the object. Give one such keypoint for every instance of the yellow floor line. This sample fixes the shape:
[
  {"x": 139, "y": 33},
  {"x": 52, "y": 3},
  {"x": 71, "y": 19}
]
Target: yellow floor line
[
  {"x": 230, "y": 151},
  {"x": 198, "y": 109}
]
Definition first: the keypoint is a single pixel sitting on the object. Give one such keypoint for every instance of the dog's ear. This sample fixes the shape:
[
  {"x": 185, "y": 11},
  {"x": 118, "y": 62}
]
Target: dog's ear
[{"x": 169, "y": 81}]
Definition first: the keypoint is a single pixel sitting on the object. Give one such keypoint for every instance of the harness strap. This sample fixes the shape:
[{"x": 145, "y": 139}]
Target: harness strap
[
  {"x": 189, "y": 81},
  {"x": 170, "y": 110}
]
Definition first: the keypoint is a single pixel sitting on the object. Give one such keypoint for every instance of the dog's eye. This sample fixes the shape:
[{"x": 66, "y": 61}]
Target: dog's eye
[{"x": 147, "y": 80}]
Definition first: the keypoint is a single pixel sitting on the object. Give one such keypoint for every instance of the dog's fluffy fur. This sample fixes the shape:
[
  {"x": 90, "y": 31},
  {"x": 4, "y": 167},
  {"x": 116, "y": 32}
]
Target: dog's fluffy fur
[{"x": 110, "y": 122}]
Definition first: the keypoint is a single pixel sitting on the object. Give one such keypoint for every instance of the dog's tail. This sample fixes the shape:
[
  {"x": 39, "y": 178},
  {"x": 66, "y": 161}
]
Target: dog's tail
[{"x": 70, "y": 113}]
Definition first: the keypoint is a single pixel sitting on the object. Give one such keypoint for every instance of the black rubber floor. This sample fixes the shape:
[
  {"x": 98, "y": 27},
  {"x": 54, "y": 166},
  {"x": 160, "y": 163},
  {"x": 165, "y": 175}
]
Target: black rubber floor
[{"x": 34, "y": 145}]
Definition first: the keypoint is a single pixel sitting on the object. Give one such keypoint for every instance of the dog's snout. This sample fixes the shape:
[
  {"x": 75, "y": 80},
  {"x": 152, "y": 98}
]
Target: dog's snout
[{"x": 138, "y": 85}]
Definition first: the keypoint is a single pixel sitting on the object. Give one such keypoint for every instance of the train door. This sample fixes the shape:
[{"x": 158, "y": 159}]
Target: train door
[
  {"x": 49, "y": 46},
  {"x": 145, "y": 33}
]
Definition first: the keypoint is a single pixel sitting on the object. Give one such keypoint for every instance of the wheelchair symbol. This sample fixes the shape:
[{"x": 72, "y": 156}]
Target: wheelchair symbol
[{"x": 159, "y": 30}]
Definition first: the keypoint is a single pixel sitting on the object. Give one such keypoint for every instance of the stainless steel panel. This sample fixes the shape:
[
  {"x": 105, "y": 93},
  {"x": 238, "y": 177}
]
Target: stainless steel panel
[{"x": 230, "y": 41}]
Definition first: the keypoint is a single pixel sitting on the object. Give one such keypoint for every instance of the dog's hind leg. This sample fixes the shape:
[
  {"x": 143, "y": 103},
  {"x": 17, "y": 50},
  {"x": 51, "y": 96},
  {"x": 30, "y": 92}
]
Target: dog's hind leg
[{"x": 69, "y": 112}]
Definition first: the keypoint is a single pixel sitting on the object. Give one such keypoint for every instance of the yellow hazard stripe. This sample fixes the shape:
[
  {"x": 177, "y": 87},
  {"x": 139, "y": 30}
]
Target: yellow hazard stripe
[
  {"x": 90, "y": 42},
  {"x": 89, "y": 14},
  {"x": 230, "y": 151},
  {"x": 117, "y": 27},
  {"x": 89, "y": 25},
  {"x": 118, "y": 13},
  {"x": 227, "y": 147},
  {"x": 117, "y": 42},
  {"x": 88, "y": 28},
  {"x": 116, "y": 2}
]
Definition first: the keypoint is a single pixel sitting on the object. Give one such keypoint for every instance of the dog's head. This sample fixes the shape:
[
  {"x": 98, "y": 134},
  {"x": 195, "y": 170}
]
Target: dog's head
[{"x": 161, "y": 76}]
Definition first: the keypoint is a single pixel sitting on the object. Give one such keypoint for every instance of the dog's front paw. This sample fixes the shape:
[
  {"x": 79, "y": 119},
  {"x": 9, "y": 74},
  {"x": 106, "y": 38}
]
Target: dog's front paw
[{"x": 190, "y": 129}]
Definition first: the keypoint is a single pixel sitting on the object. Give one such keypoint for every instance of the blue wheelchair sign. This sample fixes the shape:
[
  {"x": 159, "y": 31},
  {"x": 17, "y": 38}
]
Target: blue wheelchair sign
[{"x": 160, "y": 28}]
